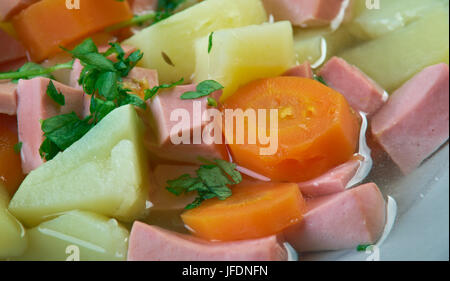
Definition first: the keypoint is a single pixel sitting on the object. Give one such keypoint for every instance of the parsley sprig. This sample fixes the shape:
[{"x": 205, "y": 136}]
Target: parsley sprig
[
  {"x": 165, "y": 9},
  {"x": 212, "y": 181},
  {"x": 30, "y": 70},
  {"x": 101, "y": 78},
  {"x": 203, "y": 89}
]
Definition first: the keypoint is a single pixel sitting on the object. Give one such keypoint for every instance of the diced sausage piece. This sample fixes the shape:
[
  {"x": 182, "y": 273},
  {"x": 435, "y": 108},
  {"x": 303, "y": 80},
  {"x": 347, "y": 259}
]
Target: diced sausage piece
[
  {"x": 8, "y": 98},
  {"x": 13, "y": 65},
  {"x": 142, "y": 6},
  {"x": 160, "y": 197},
  {"x": 304, "y": 70},
  {"x": 9, "y": 8},
  {"x": 139, "y": 79},
  {"x": 362, "y": 93},
  {"x": 305, "y": 12},
  {"x": 151, "y": 243},
  {"x": 340, "y": 221},
  {"x": 165, "y": 141},
  {"x": 10, "y": 48},
  {"x": 34, "y": 105},
  {"x": 75, "y": 74},
  {"x": 415, "y": 121},
  {"x": 331, "y": 182}
]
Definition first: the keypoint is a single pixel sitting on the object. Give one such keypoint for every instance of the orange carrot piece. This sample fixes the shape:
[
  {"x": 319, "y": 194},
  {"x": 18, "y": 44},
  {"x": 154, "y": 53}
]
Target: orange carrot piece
[
  {"x": 317, "y": 129},
  {"x": 48, "y": 24},
  {"x": 254, "y": 210}
]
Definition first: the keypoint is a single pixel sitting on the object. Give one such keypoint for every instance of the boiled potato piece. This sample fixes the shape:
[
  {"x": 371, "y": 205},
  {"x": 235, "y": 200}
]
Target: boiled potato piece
[
  {"x": 169, "y": 45},
  {"x": 392, "y": 15},
  {"x": 319, "y": 44},
  {"x": 77, "y": 235},
  {"x": 241, "y": 55},
  {"x": 394, "y": 58},
  {"x": 13, "y": 240},
  {"x": 104, "y": 172}
]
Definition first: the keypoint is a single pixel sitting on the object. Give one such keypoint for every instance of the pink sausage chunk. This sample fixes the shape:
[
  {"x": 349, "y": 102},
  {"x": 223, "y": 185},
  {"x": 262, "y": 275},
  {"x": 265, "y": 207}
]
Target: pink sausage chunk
[
  {"x": 8, "y": 98},
  {"x": 10, "y": 48},
  {"x": 362, "y": 93},
  {"x": 34, "y": 105},
  {"x": 304, "y": 70},
  {"x": 304, "y": 12},
  {"x": 141, "y": 6},
  {"x": 164, "y": 131},
  {"x": 160, "y": 197},
  {"x": 415, "y": 121},
  {"x": 340, "y": 221},
  {"x": 331, "y": 182},
  {"x": 9, "y": 8},
  {"x": 151, "y": 243}
]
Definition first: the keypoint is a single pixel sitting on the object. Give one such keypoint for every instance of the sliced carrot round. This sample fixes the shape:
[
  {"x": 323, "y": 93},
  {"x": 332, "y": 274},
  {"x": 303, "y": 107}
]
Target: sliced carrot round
[
  {"x": 11, "y": 174},
  {"x": 254, "y": 210},
  {"x": 48, "y": 24},
  {"x": 317, "y": 129}
]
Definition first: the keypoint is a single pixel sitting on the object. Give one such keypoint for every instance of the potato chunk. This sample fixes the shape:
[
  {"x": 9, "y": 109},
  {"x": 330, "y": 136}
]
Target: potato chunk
[
  {"x": 169, "y": 45},
  {"x": 77, "y": 235},
  {"x": 394, "y": 58},
  {"x": 319, "y": 44},
  {"x": 241, "y": 55},
  {"x": 104, "y": 172},
  {"x": 392, "y": 15},
  {"x": 13, "y": 240}
]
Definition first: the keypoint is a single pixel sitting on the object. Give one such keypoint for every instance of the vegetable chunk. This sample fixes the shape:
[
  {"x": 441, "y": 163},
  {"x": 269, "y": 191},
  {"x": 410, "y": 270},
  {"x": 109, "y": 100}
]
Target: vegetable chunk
[
  {"x": 48, "y": 24},
  {"x": 105, "y": 172},
  {"x": 169, "y": 45},
  {"x": 13, "y": 239},
  {"x": 151, "y": 243},
  {"x": 77, "y": 235},
  {"x": 392, "y": 15},
  {"x": 240, "y": 55},
  {"x": 317, "y": 130},
  {"x": 410, "y": 49},
  {"x": 254, "y": 210}
]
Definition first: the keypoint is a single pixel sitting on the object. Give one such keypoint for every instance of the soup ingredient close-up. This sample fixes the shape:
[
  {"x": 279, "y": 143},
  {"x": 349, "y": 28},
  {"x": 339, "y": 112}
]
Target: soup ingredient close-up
[{"x": 224, "y": 130}]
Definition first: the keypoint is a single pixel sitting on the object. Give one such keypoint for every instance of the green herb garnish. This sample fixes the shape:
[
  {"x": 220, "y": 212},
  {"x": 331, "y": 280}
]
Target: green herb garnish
[
  {"x": 30, "y": 70},
  {"x": 210, "y": 42},
  {"x": 150, "y": 93},
  {"x": 320, "y": 79},
  {"x": 102, "y": 79},
  {"x": 54, "y": 94},
  {"x": 212, "y": 102},
  {"x": 363, "y": 248},
  {"x": 165, "y": 9},
  {"x": 212, "y": 181},
  {"x": 203, "y": 89},
  {"x": 18, "y": 147}
]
